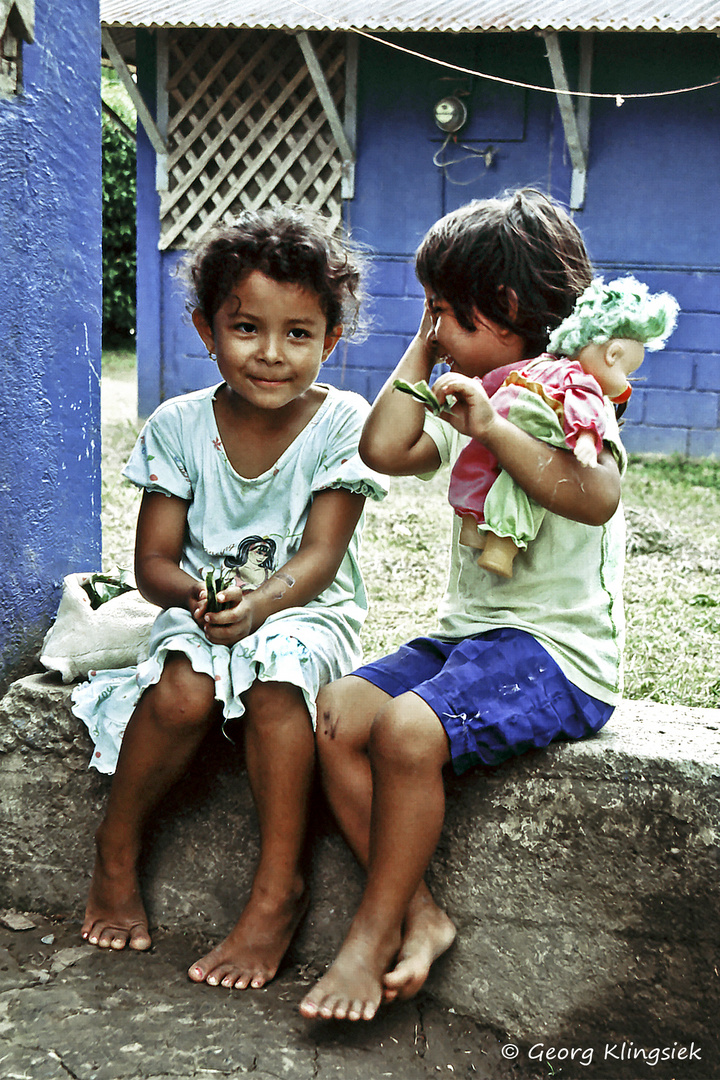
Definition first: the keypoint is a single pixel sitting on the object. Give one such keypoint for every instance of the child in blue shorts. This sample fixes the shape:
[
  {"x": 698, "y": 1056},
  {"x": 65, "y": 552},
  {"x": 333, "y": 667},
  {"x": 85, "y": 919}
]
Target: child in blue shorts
[{"x": 516, "y": 662}]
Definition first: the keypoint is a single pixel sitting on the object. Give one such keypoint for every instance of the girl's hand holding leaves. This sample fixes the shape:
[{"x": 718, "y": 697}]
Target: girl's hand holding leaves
[
  {"x": 215, "y": 582},
  {"x": 422, "y": 393}
]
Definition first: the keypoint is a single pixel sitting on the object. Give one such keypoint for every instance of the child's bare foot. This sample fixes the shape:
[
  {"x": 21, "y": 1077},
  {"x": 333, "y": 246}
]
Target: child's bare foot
[
  {"x": 251, "y": 953},
  {"x": 428, "y": 934},
  {"x": 352, "y": 988},
  {"x": 115, "y": 915}
]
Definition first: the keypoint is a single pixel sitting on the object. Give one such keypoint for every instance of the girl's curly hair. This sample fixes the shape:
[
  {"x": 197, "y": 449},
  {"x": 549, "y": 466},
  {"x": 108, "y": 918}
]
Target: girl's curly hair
[{"x": 286, "y": 244}]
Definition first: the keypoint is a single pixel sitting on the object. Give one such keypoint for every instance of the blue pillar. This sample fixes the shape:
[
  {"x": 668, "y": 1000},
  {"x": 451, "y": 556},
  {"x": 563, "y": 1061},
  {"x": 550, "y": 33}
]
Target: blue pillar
[
  {"x": 51, "y": 283},
  {"x": 149, "y": 264}
]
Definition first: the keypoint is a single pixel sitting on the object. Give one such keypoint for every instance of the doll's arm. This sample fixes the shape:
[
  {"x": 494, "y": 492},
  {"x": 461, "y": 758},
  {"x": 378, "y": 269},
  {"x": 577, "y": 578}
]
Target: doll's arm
[
  {"x": 330, "y": 525},
  {"x": 585, "y": 450},
  {"x": 584, "y": 420}
]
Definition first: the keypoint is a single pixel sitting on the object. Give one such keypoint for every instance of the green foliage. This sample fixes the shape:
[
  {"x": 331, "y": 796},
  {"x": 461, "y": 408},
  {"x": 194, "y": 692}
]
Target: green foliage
[
  {"x": 116, "y": 96},
  {"x": 120, "y": 363},
  {"x": 118, "y": 154}
]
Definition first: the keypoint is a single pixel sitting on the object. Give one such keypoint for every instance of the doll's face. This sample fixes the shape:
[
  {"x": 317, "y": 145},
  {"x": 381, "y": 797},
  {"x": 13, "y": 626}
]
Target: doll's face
[{"x": 612, "y": 363}]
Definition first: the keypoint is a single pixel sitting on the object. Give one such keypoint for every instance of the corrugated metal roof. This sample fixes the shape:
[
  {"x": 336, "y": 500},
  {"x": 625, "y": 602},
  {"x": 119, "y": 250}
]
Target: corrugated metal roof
[{"x": 459, "y": 15}]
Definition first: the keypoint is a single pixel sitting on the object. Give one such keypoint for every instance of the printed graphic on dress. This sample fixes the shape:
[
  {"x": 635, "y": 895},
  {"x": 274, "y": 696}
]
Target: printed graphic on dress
[{"x": 254, "y": 562}]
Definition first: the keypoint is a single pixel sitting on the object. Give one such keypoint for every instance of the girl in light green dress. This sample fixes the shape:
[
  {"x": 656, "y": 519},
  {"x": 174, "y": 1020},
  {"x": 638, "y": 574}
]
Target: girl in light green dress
[{"x": 257, "y": 478}]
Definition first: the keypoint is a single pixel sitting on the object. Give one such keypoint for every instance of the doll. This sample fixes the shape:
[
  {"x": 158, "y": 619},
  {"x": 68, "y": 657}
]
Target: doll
[{"x": 563, "y": 397}]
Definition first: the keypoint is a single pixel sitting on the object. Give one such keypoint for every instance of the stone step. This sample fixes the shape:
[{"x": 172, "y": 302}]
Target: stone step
[{"x": 583, "y": 879}]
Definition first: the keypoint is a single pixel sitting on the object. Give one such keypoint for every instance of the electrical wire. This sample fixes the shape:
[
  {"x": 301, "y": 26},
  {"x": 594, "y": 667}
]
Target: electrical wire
[
  {"x": 619, "y": 98},
  {"x": 488, "y": 155}
]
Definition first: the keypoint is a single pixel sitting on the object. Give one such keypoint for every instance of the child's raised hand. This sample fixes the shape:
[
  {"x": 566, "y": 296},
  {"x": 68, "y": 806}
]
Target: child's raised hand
[
  {"x": 472, "y": 414},
  {"x": 426, "y": 336}
]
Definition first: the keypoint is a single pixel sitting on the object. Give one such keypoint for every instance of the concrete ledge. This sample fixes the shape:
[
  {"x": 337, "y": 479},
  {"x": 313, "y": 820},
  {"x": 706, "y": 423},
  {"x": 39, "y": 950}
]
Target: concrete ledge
[{"x": 583, "y": 879}]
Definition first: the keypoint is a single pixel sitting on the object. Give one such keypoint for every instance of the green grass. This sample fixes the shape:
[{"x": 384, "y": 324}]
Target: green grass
[
  {"x": 672, "y": 580},
  {"x": 119, "y": 362}
]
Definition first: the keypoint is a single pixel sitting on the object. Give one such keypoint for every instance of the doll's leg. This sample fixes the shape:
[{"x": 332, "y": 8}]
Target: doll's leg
[
  {"x": 408, "y": 749},
  {"x": 498, "y": 554},
  {"x": 470, "y": 536},
  {"x": 161, "y": 739},
  {"x": 513, "y": 521},
  {"x": 346, "y": 711},
  {"x": 280, "y": 754},
  {"x": 471, "y": 479}
]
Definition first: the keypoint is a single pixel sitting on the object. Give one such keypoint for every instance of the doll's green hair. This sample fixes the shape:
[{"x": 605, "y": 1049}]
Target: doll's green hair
[{"x": 623, "y": 308}]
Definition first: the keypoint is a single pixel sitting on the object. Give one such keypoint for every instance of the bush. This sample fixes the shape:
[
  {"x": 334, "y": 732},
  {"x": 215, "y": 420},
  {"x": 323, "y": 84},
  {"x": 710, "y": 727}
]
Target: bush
[{"x": 118, "y": 184}]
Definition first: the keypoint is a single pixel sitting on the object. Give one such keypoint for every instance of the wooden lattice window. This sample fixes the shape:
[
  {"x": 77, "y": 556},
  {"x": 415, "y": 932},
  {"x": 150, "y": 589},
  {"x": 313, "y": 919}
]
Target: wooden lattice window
[{"x": 246, "y": 129}]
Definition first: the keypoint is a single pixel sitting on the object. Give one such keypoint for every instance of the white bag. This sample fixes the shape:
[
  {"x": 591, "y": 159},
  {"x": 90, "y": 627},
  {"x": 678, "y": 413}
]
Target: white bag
[{"x": 84, "y": 639}]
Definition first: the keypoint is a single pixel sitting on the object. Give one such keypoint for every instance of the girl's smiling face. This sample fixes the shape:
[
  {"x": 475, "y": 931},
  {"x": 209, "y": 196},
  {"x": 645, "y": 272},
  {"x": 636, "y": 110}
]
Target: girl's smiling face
[
  {"x": 270, "y": 338},
  {"x": 471, "y": 352}
]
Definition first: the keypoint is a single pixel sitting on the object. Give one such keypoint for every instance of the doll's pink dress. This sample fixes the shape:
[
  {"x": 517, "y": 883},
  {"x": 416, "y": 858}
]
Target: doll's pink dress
[{"x": 553, "y": 399}]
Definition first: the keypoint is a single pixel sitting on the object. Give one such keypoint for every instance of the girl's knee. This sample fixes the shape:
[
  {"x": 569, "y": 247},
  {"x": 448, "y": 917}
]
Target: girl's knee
[
  {"x": 183, "y": 697},
  {"x": 330, "y": 710},
  {"x": 270, "y": 705},
  {"x": 407, "y": 734},
  {"x": 346, "y": 710}
]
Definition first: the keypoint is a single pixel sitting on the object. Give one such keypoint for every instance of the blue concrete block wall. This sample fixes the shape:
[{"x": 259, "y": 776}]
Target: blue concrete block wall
[
  {"x": 676, "y": 403},
  {"x": 650, "y": 210},
  {"x": 50, "y": 238}
]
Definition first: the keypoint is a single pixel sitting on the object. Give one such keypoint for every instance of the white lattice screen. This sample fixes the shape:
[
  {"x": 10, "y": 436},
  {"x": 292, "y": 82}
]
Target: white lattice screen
[{"x": 246, "y": 129}]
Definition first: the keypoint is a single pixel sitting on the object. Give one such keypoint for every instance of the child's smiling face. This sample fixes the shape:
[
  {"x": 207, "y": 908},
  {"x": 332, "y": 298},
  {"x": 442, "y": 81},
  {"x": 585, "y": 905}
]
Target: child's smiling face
[
  {"x": 472, "y": 353},
  {"x": 270, "y": 338}
]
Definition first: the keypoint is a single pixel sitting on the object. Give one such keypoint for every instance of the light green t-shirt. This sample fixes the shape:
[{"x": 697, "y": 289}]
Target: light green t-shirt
[{"x": 565, "y": 589}]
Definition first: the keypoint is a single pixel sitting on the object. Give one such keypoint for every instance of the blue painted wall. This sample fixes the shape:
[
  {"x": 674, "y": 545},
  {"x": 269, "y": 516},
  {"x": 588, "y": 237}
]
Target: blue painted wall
[
  {"x": 651, "y": 206},
  {"x": 50, "y": 238}
]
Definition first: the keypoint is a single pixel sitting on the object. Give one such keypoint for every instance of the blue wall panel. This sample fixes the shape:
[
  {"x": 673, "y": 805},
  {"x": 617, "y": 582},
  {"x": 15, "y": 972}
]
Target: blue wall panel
[
  {"x": 150, "y": 267},
  {"x": 50, "y": 237},
  {"x": 704, "y": 443}
]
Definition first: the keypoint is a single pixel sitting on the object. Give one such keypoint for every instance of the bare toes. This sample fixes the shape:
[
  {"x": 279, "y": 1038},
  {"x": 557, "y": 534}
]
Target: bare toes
[
  {"x": 140, "y": 939},
  {"x": 337, "y": 1006}
]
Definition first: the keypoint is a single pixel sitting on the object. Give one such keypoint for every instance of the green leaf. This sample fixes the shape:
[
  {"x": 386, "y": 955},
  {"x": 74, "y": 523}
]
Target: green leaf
[
  {"x": 101, "y": 588},
  {"x": 215, "y": 582},
  {"x": 422, "y": 393}
]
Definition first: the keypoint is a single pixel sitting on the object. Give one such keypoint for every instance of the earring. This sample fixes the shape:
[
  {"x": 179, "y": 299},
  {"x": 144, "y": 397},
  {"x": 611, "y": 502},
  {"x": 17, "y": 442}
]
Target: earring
[{"x": 212, "y": 356}]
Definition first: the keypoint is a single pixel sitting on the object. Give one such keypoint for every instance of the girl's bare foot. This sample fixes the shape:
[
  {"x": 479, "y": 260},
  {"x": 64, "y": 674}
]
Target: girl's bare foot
[
  {"x": 352, "y": 988},
  {"x": 428, "y": 934},
  {"x": 115, "y": 915},
  {"x": 251, "y": 953}
]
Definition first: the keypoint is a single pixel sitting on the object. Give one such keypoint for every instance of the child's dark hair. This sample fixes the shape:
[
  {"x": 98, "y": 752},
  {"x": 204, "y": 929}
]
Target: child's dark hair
[
  {"x": 524, "y": 244},
  {"x": 286, "y": 244}
]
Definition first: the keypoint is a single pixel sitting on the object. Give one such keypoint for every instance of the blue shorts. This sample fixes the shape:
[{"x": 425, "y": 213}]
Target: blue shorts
[{"x": 496, "y": 694}]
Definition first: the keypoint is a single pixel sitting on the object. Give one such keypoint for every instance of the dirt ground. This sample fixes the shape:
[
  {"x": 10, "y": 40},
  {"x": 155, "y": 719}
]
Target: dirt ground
[{"x": 69, "y": 1010}]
